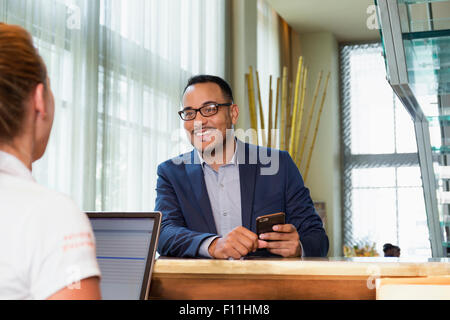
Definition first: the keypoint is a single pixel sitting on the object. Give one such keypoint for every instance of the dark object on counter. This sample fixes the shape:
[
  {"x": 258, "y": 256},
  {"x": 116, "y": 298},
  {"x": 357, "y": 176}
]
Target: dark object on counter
[{"x": 391, "y": 250}]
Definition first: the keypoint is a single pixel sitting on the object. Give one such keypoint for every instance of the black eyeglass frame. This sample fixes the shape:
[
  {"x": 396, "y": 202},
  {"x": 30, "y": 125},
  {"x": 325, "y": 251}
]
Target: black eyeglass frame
[{"x": 217, "y": 105}]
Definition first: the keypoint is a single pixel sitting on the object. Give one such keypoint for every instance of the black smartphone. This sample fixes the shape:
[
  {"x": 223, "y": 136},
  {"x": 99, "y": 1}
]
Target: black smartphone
[{"x": 265, "y": 223}]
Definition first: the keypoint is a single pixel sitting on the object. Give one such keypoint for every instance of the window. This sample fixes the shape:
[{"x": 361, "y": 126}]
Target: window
[
  {"x": 268, "y": 58},
  {"x": 383, "y": 196},
  {"x": 117, "y": 70}
]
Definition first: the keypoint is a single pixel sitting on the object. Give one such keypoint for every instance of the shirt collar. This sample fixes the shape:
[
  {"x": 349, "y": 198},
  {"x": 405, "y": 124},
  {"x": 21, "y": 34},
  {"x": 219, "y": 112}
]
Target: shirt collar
[
  {"x": 233, "y": 161},
  {"x": 10, "y": 165}
]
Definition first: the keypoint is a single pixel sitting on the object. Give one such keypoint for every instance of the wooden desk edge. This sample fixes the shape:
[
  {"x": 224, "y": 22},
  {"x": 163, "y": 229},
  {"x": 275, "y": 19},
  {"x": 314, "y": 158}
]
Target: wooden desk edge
[{"x": 257, "y": 268}]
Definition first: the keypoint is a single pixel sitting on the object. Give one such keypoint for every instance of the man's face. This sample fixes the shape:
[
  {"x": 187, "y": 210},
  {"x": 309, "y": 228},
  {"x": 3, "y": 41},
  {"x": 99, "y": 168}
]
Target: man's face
[{"x": 208, "y": 133}]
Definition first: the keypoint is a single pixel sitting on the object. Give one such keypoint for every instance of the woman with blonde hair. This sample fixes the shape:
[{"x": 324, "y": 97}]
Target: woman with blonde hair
[{"x": 47, "y": 245}]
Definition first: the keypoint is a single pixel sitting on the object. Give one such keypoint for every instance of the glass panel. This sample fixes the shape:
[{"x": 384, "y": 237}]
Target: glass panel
[
  {"x": 441, "y": 172},
  {"x": 436, "y": 121},
  {"x": 405, "y": 141},
  {"x": 428, "y": 62},
  {"x": 420, "y": 1},
  {"x": 371, "y": 104},
  {"x": 445, "y": 225},
  {"x": 409, "y": 177},
  {"x": 426, "y": 35},
  {"x": 416, "y": 15},
  {"x": 397, "y": 216},
  {"x": 441, "y": 149},
  {"x": 373, "y": 178},
  {"x": 374, "y": 216},
  {"x": 412, "y": 223}
]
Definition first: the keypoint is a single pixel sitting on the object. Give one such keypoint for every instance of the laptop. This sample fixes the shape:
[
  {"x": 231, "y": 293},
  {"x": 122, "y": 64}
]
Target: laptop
[{"x": 126, "y": 245}]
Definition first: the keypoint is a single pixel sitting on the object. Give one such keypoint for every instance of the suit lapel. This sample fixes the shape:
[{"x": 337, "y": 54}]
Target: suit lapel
[
  {"x": 196, "y": 177},
  {"x": 247, "y": 177}
]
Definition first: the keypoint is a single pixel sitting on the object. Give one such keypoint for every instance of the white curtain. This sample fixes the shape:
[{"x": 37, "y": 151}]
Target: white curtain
[
  {"x": 268, "y": 55},
  {"x": 117, "y": 70}
]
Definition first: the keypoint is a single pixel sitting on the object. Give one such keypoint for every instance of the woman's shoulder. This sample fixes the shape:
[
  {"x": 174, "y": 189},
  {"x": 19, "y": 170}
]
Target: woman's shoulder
[{"x": 27, "y": 196}]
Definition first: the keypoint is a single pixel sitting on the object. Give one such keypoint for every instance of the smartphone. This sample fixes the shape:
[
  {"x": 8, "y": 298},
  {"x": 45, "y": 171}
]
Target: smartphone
[{"x": 265, "y": 223}]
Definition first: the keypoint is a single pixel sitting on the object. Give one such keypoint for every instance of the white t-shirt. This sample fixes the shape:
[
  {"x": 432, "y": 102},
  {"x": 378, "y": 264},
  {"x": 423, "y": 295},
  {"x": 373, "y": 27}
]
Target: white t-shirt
[{"x": 46, "y": 243}]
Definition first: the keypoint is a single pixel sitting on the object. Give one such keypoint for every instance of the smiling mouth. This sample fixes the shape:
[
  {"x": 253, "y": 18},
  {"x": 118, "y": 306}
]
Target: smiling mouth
[{"x": 204, "y": 134}]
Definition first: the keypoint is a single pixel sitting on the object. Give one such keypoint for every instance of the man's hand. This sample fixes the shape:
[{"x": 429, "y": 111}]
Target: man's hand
[
  {"x": 237, "y": 243},
  {"x": 285, "y": 241}
]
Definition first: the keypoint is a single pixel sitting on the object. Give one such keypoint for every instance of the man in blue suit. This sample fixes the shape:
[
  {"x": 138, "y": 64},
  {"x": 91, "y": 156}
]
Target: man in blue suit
[{"x": 210, "y": 197}]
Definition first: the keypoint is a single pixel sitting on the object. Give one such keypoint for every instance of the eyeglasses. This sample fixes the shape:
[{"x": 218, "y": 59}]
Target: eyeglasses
[{"x": 206, "y": 111}]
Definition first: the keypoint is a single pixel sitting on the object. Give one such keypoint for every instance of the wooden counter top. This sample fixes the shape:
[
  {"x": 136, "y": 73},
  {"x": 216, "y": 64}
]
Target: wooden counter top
[
  {"x": 341, "y": 267},
  {"x": 330, "y": 278}
]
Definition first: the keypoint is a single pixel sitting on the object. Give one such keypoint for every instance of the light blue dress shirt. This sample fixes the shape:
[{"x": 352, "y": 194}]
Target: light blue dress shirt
[{"x": 224, "y": 191}]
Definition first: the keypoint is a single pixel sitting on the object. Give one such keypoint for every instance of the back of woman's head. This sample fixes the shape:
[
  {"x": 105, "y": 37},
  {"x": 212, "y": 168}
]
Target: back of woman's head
[{"x": 21, "y": 70}]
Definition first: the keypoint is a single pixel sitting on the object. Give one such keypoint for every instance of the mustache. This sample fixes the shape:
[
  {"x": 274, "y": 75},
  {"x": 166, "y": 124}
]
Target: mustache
[{"x": 200, "y": 128}]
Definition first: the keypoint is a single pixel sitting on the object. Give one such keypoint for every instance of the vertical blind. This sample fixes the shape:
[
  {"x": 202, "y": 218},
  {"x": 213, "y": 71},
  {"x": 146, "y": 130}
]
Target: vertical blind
[{"x": 117, "y": 70}]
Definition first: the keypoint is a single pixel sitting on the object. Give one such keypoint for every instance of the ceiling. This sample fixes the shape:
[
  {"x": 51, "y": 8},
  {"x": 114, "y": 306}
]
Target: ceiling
[{"x": 346, "y": 19}]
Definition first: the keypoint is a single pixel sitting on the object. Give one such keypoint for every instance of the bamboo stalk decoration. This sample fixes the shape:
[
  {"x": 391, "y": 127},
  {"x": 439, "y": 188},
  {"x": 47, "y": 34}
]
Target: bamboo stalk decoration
[
  {"x": 294, "y": 118},
  {"x": 251, "y": 103},
  {"x": 261, "y": 114},
  {"x": 317, "y": 127},
  {"x": 277, "y": 107},
  {"x": 311, "y": 114},
  {"x": 289, "y": 114},
  {"x": 287, "y": 130},
  {"x": 294, "y": 127},
  {"x": 300, "y": 120},
  {"x": 284, "y": 93},
  {"x": 269, "y": 134}
]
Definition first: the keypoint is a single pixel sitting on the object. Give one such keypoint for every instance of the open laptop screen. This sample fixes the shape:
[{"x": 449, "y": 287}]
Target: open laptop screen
[{"x": 126, "y": 246}]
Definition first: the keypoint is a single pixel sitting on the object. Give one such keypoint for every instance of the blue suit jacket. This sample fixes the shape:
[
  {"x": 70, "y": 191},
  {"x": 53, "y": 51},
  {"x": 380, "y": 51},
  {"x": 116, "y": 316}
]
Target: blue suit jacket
[{"x": 187, "y": 215}]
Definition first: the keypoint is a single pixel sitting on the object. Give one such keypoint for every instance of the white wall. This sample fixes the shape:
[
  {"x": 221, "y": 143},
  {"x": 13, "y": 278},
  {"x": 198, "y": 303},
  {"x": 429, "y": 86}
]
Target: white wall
[
  {"x": 321, "y": 52},
  {"x": 244, "y": 50}
]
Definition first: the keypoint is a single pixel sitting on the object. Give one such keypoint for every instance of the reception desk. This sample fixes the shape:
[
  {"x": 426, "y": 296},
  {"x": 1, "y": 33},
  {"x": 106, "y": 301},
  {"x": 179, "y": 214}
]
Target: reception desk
[{"x": 283, "y": 279}]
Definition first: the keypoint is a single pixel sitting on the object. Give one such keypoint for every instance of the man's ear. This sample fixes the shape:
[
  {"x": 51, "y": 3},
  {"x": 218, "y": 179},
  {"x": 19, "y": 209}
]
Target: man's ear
[
  {"x": 234, "y": 113},
  {"x": 38, "y": 100}
]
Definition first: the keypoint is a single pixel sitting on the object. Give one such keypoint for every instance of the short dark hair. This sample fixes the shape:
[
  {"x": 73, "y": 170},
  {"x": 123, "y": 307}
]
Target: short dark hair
[
  {"x": 204, "y": 78},
  {"x": 387, "y": 246}
]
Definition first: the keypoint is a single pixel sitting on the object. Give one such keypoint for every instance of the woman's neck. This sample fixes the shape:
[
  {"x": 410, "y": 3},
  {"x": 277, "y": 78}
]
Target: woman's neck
[{"x": 21, "y": 149}]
